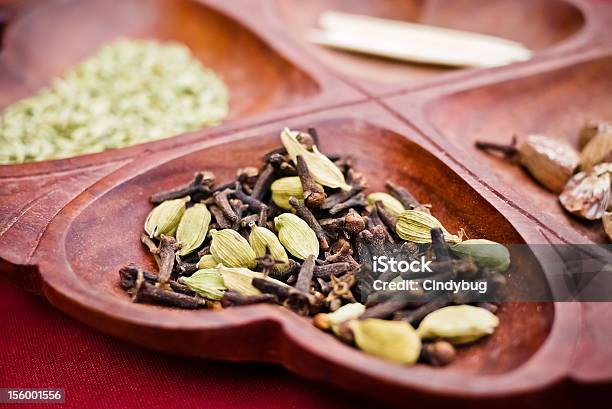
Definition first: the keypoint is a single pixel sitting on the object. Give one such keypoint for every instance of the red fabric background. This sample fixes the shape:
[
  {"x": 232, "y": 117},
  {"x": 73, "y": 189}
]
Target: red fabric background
[{"x": 41, "y": 347}]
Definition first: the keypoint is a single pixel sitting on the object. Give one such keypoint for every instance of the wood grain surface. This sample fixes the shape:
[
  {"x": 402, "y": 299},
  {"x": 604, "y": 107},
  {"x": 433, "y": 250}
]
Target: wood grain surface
[{"x": 67, "y": 226}]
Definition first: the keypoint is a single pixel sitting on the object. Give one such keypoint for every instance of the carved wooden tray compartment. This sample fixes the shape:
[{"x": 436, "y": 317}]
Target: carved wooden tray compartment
[{"x": 67, "y": 226}]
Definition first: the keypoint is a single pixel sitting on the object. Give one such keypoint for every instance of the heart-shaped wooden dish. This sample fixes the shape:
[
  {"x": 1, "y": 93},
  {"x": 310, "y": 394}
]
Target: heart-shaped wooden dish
[
  {"x": 266, "y": 81},
  {"x": 98, "y": 232},
  {"x": 71, "y": 224}
]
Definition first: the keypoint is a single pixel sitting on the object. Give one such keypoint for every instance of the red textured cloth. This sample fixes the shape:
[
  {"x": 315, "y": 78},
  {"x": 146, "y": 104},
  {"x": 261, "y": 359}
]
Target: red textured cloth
[{"x": 41, "y": 347}]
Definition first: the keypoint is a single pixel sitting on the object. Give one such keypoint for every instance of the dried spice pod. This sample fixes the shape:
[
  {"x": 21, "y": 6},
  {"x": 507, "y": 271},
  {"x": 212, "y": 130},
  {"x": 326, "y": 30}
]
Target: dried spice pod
[
  {"x": 550, "y": 161},
  {"x": 241, "y": 279},
  {"x": 590, "y": 130},
  {"x": 333, "y": 320},
  {"x": 262, "y": 239},
  {"x": 322, "y": 169},
  {"x": 458, "y": 324},
  {"x": 207, "y": 261},
  {"x": 192, "y": 228},
  {"x": 587, "y": 194},
  {"x": 391, "y": 204},
  {"x": 297, "y": 237},
  {"x": 284, "y": 188},
  {"x": 416, "y": 226},
  {"x": 597, "y": 150},
  {"x": 231, "y": 249},
  {"x": 165, "y": 217},
  {"x": 394, "y": 341},
  {"x": 485, "y": 253},
  {"x": 607, "y": 224},
  {"x": 207, "y": 283}
]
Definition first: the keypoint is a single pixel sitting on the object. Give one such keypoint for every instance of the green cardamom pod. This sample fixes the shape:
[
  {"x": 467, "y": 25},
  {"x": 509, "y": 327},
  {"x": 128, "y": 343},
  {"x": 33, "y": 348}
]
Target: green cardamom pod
[
  {"x": 333, "y": 320},
  {"x": 391, "y": 204},
  {"x": 231, "y": 249},
  {"x": 283, "y": 188},
  {"x": 240, "y": 279},
  {"x": 207, "y": 283},
  {"x": 458, "y": 324},
  {"x": 192, "y": 228},
  {"x": 485, "y": 253},
  {"x": 297, "y": 237},
  {"x": 395, "y": 341},
  {"x": 262, "y": 238},
  {"x": 207, "y": 261},
  {"x": 415, "y": 226},
  {"x": 165, "y": 217},
  {"x": 322, "y": 169}
]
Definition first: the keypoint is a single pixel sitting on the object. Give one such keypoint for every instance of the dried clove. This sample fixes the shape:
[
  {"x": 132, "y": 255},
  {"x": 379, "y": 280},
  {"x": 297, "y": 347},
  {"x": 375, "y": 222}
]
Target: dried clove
[
  {"x": 355, "y": 201},
  {"x": 198, "y": 189},
  {"x": 314, "y": 195},
  {"x": 413, "y": 317},
  {"x": 334, "y": 269},
  {"x": 340, "y": 197},
  {"x": 167, "y": 253},
  {"x": 404, "y": 196},
  {"x": 253, "y": 203},
  {"x": 222, "y": 200},
  {"x": 234, "y": 298},
  {"x": 220, "y": 218},
  {"x": 439, "y": 246},
  {"x": 265, "y": 179},
  {"x": 306, "y": 274},
  {"x": 306, "y": 215}
]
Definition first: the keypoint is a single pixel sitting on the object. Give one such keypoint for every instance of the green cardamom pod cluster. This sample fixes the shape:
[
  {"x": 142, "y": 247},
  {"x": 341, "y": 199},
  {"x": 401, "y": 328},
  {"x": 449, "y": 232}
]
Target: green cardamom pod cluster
[
  {"x": 322, "y": 169},
  {"x": 262, "y": 238},
  {"x": 207, "y": 283},
  {"x": 231, "y": 249},
  {"x": 485, "y": 253},
  {"x": 458, "y": 324},
  {"x": 391, "y": 204},
  {"x": 394, "y": 341},
  {"x": 192, "y": 228},
  {"x": 165, "y": 217},
  {"x": 297, "y": 237},
  {"x": 415, "y": 226}
]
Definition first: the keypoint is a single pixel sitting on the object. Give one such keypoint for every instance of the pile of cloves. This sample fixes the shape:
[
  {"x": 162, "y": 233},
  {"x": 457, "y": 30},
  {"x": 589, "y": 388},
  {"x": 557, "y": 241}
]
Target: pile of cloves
[
  {"x": 301, "y": 232},
  {"x": 582, "y": 179}
]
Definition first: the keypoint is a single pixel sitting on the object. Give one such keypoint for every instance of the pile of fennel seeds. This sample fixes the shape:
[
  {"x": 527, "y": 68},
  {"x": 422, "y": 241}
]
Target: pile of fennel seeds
[{"x": 129, "y": 92}]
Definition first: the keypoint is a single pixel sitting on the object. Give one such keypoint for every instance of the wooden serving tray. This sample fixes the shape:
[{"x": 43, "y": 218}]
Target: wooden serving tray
[{"x": 67, "y": 226}]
